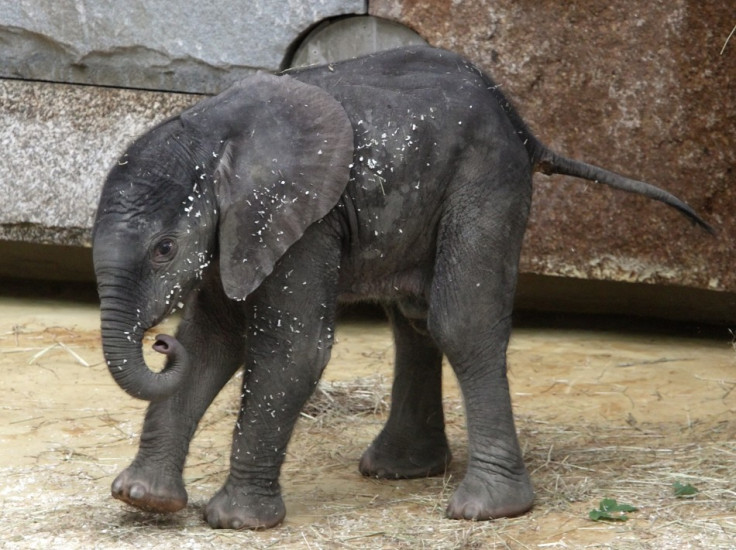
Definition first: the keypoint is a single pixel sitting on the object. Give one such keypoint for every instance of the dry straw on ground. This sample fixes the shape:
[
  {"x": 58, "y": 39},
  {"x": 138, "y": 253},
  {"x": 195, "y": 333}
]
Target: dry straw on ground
[{"x": 600, "y": 415}]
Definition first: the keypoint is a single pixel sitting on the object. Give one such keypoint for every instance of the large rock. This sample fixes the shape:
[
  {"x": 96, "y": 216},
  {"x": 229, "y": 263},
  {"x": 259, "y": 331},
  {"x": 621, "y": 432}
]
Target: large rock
[
  {"x": 643, "y": 89},
  {"x": 640, "y": 88},
  {"x": 155, "y": 44}
]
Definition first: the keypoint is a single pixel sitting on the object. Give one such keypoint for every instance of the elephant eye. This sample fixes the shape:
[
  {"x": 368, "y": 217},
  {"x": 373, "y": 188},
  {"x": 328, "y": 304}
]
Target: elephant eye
[{"x": 164, "y": 250}]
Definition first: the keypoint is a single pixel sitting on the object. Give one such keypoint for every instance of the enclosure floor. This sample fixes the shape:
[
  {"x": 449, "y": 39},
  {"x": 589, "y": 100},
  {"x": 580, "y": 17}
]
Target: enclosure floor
[{"x": 601, "y": 413}]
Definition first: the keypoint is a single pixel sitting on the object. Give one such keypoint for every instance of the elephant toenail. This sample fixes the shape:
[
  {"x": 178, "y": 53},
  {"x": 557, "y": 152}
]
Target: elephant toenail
[{"x": 137, "y": 492}]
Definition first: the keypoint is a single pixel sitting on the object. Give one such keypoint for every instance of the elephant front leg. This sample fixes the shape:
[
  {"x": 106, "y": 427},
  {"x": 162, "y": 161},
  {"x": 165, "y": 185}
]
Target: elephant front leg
[
  {"x": 153, "y": 481},
  {"x": 251, "y": 496},
  {"x": 413, "y": 442},
  {"x": 276, "y": 385},
  {"x": 288, "y": 343}
]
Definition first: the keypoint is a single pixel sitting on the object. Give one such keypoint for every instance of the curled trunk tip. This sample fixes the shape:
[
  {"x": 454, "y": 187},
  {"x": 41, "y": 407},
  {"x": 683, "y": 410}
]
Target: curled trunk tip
[{"x": 127, "y": 366}]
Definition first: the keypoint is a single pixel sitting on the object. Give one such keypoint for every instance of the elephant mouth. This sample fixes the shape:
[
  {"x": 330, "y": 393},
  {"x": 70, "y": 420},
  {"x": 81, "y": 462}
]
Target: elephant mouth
[{"x": 173, "y": 305}]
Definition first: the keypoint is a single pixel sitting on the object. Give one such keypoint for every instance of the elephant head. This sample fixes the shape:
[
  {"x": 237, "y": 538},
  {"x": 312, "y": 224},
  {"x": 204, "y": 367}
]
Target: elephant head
[{"x": 226, "y": 186}]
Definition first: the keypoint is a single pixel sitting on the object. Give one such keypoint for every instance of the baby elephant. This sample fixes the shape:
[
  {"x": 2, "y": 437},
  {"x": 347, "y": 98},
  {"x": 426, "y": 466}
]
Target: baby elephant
[{"x": 403, "y": 177}]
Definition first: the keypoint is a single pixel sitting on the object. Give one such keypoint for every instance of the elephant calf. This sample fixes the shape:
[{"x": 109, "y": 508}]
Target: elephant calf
[{"x": 403, "y": 177}]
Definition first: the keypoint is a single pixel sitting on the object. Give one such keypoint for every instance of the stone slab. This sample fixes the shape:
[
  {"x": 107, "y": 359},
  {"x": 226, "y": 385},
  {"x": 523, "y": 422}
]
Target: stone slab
[
  {"x": 176, "y": 45},
  {"x": 646, "y": 89},
  {"x": 58, "y": 142},
  {"x": 642, "y": 89}
]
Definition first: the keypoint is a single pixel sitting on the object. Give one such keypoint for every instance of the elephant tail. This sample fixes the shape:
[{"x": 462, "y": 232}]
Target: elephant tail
[{"x": 548, "y": 162}]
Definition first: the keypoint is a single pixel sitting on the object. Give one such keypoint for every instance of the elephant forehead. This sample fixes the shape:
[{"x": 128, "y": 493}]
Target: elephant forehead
[
  {"x": 137, "y": 215},
  {"x": 159, "y": 170},
  {"x": 147, "y": 200}
]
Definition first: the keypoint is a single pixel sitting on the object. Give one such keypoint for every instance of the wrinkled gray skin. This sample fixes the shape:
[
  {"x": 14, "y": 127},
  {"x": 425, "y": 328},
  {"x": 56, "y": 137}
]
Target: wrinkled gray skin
[{"x": 403, "y": 177}]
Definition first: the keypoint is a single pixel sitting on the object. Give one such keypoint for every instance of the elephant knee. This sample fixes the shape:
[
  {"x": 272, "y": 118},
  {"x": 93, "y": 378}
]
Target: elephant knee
[
  {"x": 469, "y": 340},
  {"x": 310, "y": 355},
  {"x": 450, "y": 334},
  {"x": 319, "y": 358}
]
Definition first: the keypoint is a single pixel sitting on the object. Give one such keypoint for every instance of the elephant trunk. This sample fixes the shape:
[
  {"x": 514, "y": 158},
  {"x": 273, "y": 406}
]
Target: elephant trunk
[{"x": 122, "y": 347}]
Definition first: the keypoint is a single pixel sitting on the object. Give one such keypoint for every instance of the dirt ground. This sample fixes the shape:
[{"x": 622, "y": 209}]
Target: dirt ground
[{"x": 602, "y": 411}]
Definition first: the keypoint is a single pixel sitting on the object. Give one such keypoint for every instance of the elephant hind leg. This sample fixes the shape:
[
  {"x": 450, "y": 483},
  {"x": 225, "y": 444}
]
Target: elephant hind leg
[
  {"x": 471, "y": 302},
  {"x": 413, "y": 442}
]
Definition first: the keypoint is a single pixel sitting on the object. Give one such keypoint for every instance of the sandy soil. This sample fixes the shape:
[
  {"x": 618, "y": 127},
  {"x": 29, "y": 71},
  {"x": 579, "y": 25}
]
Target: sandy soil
[{"x": 602, "y": 413}]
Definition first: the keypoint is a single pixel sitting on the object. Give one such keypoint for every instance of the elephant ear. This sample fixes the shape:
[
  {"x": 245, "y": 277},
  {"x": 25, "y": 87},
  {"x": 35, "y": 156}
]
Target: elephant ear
[{"x": 285, "y": 163}]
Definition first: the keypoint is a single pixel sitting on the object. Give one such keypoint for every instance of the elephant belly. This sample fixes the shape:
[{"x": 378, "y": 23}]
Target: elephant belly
[
  {"x": 393, "y": 264},
  {"x": 404, "y": 286}
]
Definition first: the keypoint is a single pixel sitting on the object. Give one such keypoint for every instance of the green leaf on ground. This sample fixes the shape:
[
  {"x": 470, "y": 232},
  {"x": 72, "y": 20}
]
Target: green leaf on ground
[
  {"x": 684, "y": 491},
  {"x": 610, "y": 510}
]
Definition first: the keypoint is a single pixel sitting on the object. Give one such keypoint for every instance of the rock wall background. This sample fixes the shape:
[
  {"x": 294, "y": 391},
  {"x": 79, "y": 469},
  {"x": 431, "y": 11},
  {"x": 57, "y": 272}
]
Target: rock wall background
[
  {"x": 646, "y": 89},
  {"x": 638, "y": 87}
]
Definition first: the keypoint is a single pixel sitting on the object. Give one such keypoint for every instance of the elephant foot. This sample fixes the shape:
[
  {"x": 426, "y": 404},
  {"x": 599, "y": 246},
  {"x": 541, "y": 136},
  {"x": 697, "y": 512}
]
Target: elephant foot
[
  {"x": 389, "y": 458},
  {"x": 499, "y": 497},
  {"x": 244, "y": 508},
  {"x": 152, "y": 492}
]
